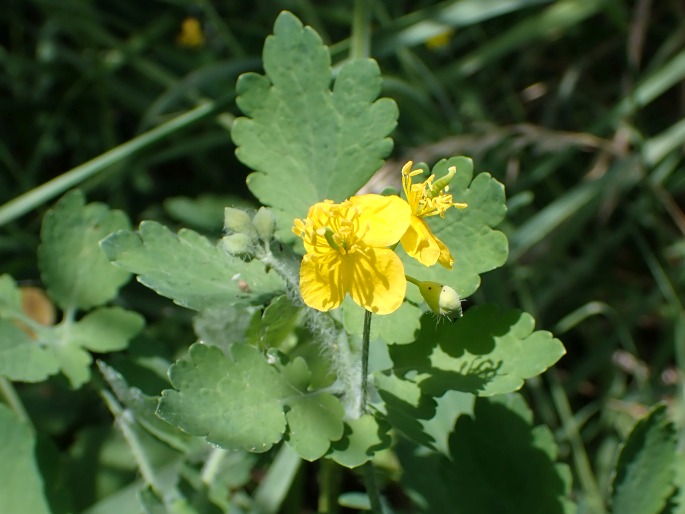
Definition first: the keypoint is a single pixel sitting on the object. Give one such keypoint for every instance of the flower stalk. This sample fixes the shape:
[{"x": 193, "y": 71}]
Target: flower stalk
[{"x": 366, "y": 336}]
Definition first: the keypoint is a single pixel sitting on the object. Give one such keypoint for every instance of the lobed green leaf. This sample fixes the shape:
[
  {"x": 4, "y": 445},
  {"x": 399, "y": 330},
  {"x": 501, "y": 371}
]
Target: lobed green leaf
[
  {"x": 32, "y": 354},
  {"x": 189, "y": 269},
  {"x": 243, "y": 402},
  {"x": 305, "y": 142},
  {"x": 498, "y": 463},
  {"x": 314, "y": 421},
  {"x": 363, "y": 437},
  {"x": 486, "y": 352},
  {"x": 75, "y": 271},
  {"x": 143, "y": 408},
  {"x": 107, "y": 329}
]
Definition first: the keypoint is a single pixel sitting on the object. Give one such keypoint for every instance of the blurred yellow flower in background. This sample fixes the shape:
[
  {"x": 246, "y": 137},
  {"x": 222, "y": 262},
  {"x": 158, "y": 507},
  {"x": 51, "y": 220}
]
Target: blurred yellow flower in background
[
  {"x": 440, "y": 41},
  {"x": 191, "y": 33},
  {"x": 347, "y": 253}
]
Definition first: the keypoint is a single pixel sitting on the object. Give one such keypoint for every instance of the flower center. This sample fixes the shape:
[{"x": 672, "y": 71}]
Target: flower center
[{"x": 344, "y": 232}]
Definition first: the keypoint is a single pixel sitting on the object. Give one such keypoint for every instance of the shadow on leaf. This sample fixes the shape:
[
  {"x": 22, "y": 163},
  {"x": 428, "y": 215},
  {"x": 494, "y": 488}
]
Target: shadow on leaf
[
  {"x": 405, "y": 406},
  {"x": 499, "y": 464},
  {"x": 472, "y": 377},
  {"x": 475, "y": 333}
]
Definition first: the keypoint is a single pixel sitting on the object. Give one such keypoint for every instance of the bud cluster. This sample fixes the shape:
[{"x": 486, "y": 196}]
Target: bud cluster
[{"x": 244, "y": 233}]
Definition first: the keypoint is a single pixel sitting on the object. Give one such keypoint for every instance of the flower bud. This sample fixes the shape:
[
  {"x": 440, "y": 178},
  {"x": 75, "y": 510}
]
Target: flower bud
[
  {"x": 441, "y": 299},
  {"x": 264, "y": 223},
  {"x": 238, "y": 221},
  {"x": 238, "y": 244}
]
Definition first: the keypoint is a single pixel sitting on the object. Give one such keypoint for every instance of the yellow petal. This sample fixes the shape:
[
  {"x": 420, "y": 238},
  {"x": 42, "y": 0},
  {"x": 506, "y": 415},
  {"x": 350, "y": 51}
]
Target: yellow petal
[
  {"x": 420, "y": 243},
  {"x": 319, "y": 215},
  {"x": 445, "y": 258},
  {"x": 375, "y": 279},
  {"x": 382, "y": 219},
  {"x": 321, "y": 285}
]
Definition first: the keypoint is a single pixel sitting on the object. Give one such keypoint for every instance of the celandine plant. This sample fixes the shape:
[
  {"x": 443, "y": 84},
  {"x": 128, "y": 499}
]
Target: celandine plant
[
  {"x": 329, "y": 324},
  {"x": 335, "y": 384}
]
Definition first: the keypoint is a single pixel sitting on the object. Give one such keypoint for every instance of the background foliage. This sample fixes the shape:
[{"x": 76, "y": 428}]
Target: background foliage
[{"x": 574, "y": 105}]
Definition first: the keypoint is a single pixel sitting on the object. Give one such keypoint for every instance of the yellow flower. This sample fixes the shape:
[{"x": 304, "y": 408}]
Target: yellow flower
[
  {"x": 427, "y": 199},
  {"x": 347, "y": 253},
  {"x": 439, "y": 40},
  {"x": 191, "y": 33}
]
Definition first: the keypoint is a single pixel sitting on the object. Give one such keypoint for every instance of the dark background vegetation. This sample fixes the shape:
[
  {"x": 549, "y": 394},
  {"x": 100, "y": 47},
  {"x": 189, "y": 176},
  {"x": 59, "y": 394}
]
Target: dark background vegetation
[{"x": 576, "y": 106}]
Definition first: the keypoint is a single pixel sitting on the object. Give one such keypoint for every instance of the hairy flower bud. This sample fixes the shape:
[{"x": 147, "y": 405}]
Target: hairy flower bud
[
  {"x": 264, "y": 223},
  {"x": 238, "y": 221},
  {"x": 238, "y": 244},
  {"x": 441, "y": 299}
]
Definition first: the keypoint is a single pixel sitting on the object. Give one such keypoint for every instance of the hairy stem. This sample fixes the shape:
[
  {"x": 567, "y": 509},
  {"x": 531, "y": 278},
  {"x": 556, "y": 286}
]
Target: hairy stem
[
  {"x": 332, "y": 340},
  {"x": 369, "y": 472}
]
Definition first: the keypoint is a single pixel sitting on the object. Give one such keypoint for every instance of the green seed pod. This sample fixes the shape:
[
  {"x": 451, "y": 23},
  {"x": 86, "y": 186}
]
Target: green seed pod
[
  {"x": 238, "y": 244},
  {"x": 238, "y": 221},
  {"x": 442, "y": 299},
  {"x": 264, "y": 223}
]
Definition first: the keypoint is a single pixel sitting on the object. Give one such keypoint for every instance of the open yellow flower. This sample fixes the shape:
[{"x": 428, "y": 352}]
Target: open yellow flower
[
  {"x": 427, "y": 199},
  {"x": 347, "y": 253}
]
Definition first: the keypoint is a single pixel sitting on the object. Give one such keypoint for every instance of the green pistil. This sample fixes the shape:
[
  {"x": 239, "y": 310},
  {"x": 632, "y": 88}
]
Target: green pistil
[
  {"x": 329, "y": 235},
  {"x": 442, "y": 183}
]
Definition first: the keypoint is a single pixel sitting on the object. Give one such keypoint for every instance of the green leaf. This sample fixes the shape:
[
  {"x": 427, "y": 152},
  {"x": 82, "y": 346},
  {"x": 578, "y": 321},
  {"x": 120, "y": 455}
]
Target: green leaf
[
  {"x": 224, "y": 326},
  {"x": 10, "y": 297},
  {"x": 645, "y": 469},
  {"x": 314, "y": 422},
  {"x": 189, "y": 269},
  {"x": 305, "y": 142},
  {"x": 73, "y": 360},
  {"x": 468, "y": 233},
  {"x": 405, "y": 406},
  {"x": 143, "y": 408},
  {"x": 449, "y": 407},
  {"x": 499, "y": 463},
  {"x": 363, "y": 437},
  {"x": 76, "y": 272},
  {"x": 103, "y": 330},
  {"x": 106, "y": 329},
  {"x": 676, "y": 503},
  {"x": 49, "y": 349},
  {"x": 485, "y": 353},
  {"x": 275, "y": 325},
  {"x": 241, "y": 402},
  {"x": 21, "y": 487},
  {"x": 22, "y": 358},
  {"x": 235, "y": 403}
]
